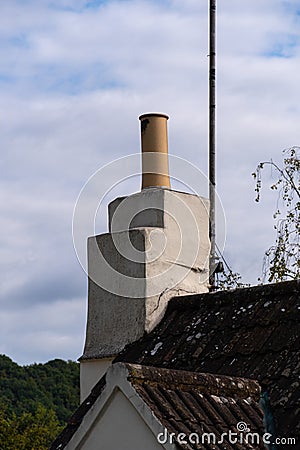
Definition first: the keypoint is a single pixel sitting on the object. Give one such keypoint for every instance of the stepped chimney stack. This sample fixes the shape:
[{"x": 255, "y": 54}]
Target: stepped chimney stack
[{"x": 157, "y": 248}]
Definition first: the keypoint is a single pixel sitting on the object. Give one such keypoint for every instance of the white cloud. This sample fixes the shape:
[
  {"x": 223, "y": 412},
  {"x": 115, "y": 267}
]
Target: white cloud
[
  {"x": 45, "y": 331},
  {"x": 73, "y": 81}
]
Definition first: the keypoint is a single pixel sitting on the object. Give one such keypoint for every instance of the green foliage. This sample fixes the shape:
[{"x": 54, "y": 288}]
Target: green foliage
[
  {"x": 29, "y": 431},
  {"x": 282, "y": 260},
  {"x": 35, "y": 402},
  {"x": 227, "y": 279},
  {"x": 55, "y": 385}
]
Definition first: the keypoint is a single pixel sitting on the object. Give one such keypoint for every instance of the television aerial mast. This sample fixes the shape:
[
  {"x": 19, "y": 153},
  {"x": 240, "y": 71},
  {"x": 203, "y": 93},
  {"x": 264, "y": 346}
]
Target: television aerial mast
[{"x": 212, "y": 138}]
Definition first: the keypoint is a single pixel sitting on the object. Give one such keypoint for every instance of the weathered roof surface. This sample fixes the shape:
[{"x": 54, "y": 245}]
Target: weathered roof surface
[
  {"x": 190, "y": 403},
  {"x": 75, "y": 420},
  {"x": 200, "y": 404},
  {"x": 250, "y": 332}
]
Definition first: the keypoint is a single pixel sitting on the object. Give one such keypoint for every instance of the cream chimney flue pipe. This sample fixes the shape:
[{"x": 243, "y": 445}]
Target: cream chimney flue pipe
[{"x": 154, "y": 136}]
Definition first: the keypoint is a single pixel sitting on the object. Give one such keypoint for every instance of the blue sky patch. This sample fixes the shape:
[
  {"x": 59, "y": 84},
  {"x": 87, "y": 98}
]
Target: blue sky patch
[
  {"x": 95, "y": 77},
  {"x": 283, "y": 46},
  {"x": 79, "y": 8},
  {"x": 291, "y": 7},
  {"x": 95, "y": 3},
  {"x": 20, "y": 41},
  {"x": 6, "y": 79}
]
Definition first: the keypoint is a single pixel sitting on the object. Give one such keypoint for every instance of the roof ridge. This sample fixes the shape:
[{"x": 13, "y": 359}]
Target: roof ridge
[
  {"x": 193, "y": 300},
  {"x": 204, "y": 382}
]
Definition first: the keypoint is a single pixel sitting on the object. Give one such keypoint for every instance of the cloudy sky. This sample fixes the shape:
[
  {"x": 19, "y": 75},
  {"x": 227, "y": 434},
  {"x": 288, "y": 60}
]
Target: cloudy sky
[{"x": 74, "y": 77}]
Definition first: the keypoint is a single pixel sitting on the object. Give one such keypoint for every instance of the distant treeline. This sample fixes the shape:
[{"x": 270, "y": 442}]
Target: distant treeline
[{"x": 35, "y": 401}]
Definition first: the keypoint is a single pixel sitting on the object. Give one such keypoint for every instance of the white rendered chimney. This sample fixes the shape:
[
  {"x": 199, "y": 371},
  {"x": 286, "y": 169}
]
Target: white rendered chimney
[{"x": 158, "y": 246}]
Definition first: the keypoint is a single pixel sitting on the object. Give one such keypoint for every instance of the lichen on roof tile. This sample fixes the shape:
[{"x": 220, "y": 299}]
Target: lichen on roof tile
[{"x": 261, "y": 342}]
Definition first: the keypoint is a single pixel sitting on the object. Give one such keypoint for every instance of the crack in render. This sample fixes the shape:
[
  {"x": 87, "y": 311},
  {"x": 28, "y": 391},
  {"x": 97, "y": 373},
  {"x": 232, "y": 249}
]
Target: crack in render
[
  {"x": 193, "y": 269},
  {"x": 161, "y": 295}
]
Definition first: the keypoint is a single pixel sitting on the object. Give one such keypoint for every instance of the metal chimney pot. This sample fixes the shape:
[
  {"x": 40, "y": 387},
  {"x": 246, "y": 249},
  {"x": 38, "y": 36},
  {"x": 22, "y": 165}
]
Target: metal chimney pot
[{"x": 154, "y": 137}]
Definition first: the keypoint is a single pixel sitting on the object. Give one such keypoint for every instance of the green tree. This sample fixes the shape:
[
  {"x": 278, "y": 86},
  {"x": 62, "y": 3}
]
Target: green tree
[
  {"x": 29, "y": 431},
  {"x": 55, "y": 385},
  {"x": 282, "y": 260}
]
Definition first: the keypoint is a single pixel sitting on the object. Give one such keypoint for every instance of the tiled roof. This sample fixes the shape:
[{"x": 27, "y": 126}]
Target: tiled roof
[
  {"x": 200, "y": 404},
  {"x": 250, "y": 332},
  {"x": 190, "y": 403},
  {"x": 208, "y": 343}
]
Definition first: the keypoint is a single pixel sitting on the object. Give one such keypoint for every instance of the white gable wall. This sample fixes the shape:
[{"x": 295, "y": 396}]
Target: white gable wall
[
  {"x": 119, "y": 419},
  {"x": 120, "y": 427}
]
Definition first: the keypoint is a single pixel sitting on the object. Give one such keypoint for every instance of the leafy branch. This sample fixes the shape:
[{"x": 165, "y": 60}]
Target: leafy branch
[
  {"x": 282, "y": 260},
  {"x": 225, "y": 277}
]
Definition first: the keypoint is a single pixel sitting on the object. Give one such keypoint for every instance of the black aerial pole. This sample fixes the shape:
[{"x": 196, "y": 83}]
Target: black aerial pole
[{"x": 212, "y": 137}]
